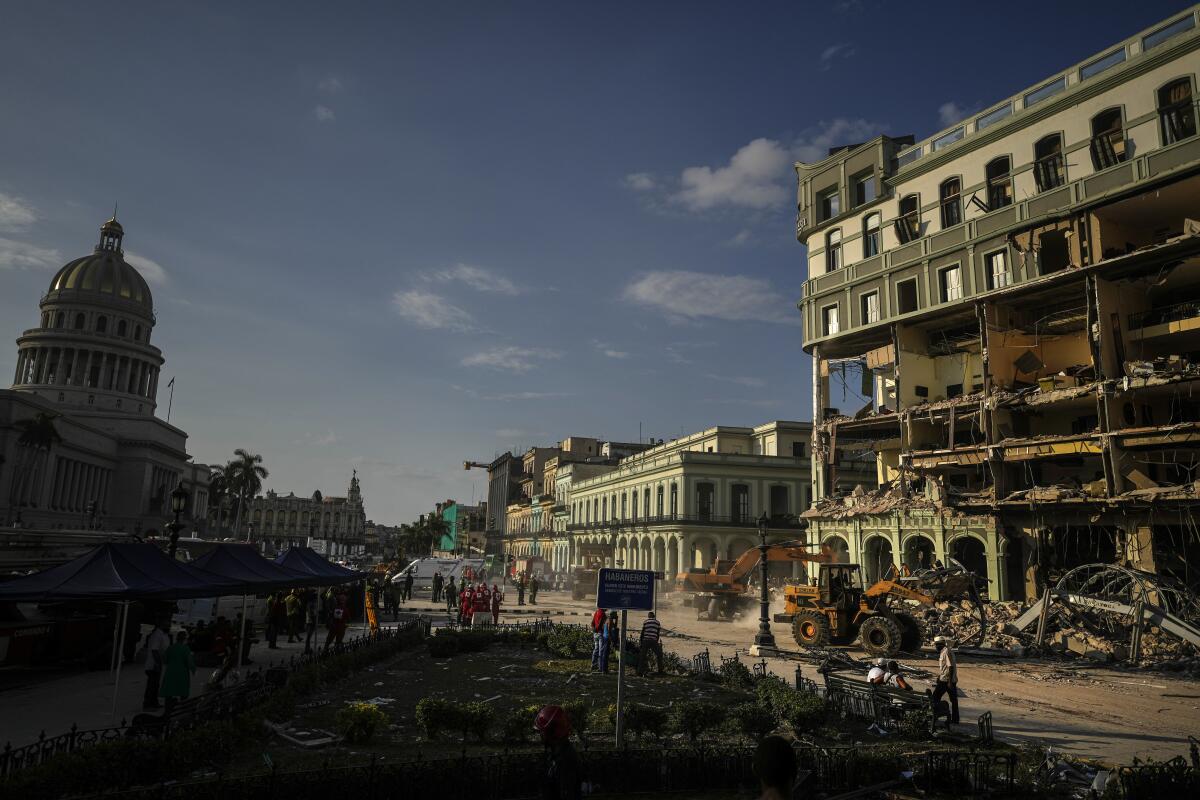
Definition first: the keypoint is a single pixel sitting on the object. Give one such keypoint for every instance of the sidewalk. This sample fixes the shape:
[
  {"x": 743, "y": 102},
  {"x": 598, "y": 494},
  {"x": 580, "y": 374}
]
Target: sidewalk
[{"x": 86, "y": 698}]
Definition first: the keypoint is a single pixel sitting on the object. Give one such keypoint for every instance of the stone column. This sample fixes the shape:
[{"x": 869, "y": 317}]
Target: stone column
[{"x": 60, "y": 365}]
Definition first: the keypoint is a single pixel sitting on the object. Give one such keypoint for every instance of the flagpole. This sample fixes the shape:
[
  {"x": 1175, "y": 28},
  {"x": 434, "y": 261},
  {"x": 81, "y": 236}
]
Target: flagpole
[{"x": 171, "y": 399}]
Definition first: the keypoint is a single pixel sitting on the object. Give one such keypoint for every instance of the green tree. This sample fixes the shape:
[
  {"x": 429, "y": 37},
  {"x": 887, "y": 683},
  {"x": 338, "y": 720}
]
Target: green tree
[
  {"x": 244, "y": 476},
  {"x": 36, "y": 438}
]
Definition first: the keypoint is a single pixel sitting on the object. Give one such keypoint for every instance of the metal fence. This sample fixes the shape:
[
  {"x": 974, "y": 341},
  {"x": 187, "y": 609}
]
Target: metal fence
[{"x": 211, "y": 706}]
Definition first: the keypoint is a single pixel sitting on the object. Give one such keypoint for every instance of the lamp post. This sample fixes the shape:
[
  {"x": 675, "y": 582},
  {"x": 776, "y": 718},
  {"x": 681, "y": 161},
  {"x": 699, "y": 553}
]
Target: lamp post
[
  {"x": 179, "y": 499},
  {"x": 764, "y": 637}
]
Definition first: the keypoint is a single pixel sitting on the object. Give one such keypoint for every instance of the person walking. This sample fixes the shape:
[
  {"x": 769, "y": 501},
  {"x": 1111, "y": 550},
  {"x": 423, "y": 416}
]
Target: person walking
[
  {"x": 598, "y": 619},
  {"x": 295, "y": 615},
  {"x": 406, "y": 595},
  {"x": 311, "y": 612},
  {"x": 775, "y": 767},
  {"x": 534, "y": 584},
  {"x": 947, "y": 679},
  {"x": 337, "y": 623},
  {"x": 650, "y": 642},
  {"x": 521, "y": 589},
  {"x": 156, "y": 644},
  {"x": 495, "y": 604},
  {"x": 612, "y": 632},
  {"x": 437, "y": 586},
  {"x": 562, "y": 775},
  {"x": 179, "y": 665}
]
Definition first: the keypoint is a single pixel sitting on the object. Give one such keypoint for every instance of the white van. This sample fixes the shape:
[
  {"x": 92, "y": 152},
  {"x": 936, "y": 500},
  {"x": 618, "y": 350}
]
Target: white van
[{"x": 423, "y": 570}]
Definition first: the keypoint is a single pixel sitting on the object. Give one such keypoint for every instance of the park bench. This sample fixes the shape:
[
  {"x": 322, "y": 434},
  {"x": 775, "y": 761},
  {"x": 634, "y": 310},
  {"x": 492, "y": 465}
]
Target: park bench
[
  {"x": 886, "y": 706},
  {"x": 208, "y": 705}
]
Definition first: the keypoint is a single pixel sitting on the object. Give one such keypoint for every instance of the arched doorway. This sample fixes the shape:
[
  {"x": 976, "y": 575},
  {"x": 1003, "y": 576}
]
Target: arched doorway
[
  {"x": 971, "y": 553},
  {"x": 918, "y": 552},
  {"x": 736, "y": 546},
  {"x": 704, "y": 552},
  {"x": 673, "y": 569},
  {"x": 877, "y": 558},
  {"x": 839, "y": 547}
]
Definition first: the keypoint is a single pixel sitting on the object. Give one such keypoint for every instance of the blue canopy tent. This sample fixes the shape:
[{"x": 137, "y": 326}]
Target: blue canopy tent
[
  {"x": 119, "y": 572},
  {"x": 308, "y": 561}
]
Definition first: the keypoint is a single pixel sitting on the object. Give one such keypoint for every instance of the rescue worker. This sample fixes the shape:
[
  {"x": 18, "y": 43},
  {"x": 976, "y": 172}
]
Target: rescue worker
[
  {"x": 877, "y": 673},
  {"x": 468, "y": 608},
  {"x": 947, "y": 679},
  {"x": 563, "y": 775},
  {"x": 481, "y": 605},
  {"x": 495, "y": 604},
  {"x": 597, "y": 637}
]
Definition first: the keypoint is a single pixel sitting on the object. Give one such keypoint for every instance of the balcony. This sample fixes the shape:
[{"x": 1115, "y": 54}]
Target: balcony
[
  {"x": 1158, "y": 321},
  {"x": 783, "y": 522}
]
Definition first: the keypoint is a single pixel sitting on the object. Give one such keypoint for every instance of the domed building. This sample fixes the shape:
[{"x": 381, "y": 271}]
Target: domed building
[{"x": 81, "y": 444}]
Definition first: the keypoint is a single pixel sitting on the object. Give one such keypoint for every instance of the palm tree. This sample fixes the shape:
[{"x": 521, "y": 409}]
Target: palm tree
[
  {"x": 244, "y": 475},
  {"x": 38, "y": 436},
  {"x": 219, "y": 492}
]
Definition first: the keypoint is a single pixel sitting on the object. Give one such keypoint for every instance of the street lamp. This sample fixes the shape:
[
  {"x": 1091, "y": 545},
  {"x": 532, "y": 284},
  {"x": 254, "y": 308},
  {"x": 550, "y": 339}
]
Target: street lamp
[
  {"x": 179, "y": 499},
  {"x": 764, "y": 637}
]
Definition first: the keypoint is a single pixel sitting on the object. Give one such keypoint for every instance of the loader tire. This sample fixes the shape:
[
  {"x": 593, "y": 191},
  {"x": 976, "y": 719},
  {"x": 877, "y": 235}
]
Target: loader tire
[
  {"x": 810, "y": 629},
  {"x": 912, "y": 633},
  {"x": 880, "y": 636}
]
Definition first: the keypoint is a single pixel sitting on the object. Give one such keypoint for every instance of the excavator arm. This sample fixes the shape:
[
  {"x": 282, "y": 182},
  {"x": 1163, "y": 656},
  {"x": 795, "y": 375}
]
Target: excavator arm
[{"x": 725, "y": 577}]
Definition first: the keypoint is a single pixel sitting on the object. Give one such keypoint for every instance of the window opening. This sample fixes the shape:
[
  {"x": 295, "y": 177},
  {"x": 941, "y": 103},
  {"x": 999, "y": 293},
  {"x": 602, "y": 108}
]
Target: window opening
[
  {"x": 1176, "y": 113},
  {"x": 871, "y": 235},
  {"x": 999, "y": 183},
  {"x": 1108, "y": 139},
  {"x": 1048, "y": 168},
  {"x": 908, "y": 224},
  {"x": 950, "y": 194}
]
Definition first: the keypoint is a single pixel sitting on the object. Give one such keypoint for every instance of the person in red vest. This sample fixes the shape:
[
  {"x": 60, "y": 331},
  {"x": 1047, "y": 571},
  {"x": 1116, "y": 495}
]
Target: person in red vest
[
  {"x": 468, "y": 607},
  {"x": 482, "y": 603},
  {"x": 496, "y": 597}
]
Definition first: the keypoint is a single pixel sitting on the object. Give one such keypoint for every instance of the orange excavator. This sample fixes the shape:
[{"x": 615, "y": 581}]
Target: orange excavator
[{"x": 719, "y": 591}]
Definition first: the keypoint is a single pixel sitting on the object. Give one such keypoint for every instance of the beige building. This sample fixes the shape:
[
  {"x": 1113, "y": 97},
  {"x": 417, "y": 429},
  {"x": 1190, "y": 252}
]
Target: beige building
[
  {"x": 1020, "y": 291},
  {"x": 685, "y": 502},
  {"x": 330, "y": 525}
]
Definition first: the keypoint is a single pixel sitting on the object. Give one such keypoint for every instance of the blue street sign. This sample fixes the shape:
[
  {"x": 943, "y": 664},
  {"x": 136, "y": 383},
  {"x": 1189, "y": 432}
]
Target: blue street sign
[{"x": 628, "y": 589}]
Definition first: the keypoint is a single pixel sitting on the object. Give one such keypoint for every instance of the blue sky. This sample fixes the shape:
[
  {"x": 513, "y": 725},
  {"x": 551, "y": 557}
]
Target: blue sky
[{"x": 393, "y": 236}]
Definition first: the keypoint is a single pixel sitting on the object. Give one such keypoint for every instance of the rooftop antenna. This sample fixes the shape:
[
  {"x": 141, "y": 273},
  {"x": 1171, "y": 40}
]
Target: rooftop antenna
[{"x": 114, "y": 209}]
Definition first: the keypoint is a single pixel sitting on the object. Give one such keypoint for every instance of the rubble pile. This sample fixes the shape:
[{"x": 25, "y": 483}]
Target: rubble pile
[
  {"x": 876, "y": 501},
  {"x": 959, "y": 620}
]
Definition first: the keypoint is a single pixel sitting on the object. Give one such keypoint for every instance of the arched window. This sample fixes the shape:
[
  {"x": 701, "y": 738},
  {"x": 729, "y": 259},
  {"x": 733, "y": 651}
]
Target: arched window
[
  {"x": 80, "y": 321},
  {"x": 950, "y": 199},
  {"x": 646, "y": 502},
  {"x": 121, "y": 328},
  {"x": 1108, "y": 139},
  {"x": 101, "y": 324},
  {"x": 674, "y": 499},
  {"x": 871, "y": 225},
  {"x": 999, "y": 183},
  {"x": 1048, "y": 168},
  {"x": 60, "y": 319},
  {"x": 833, "y": 250},
  {"x": 908, "y": 223},
  {"x": 1176, "y": 113}
]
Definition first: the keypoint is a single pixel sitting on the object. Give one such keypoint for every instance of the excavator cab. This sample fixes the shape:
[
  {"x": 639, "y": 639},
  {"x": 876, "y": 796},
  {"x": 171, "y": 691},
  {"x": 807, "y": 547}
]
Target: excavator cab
[{"x": 840, "y": 586}]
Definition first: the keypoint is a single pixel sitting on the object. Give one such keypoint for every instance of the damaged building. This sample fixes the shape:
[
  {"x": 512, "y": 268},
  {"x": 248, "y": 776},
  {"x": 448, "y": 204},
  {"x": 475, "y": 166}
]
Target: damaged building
[{"x": 1018, "y": 298}]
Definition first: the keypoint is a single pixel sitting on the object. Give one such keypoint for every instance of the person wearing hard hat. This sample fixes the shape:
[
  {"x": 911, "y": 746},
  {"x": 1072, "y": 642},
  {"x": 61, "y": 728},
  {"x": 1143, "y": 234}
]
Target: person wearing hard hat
[
  {"x": 877, "y": 672},
  {"x": 562, "y": 777},
  {"x": 947, "y": 678}
]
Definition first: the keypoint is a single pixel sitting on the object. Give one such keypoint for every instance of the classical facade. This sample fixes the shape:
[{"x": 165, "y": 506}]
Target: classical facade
[
  {"x": 80, "y": 444},
  {"x": 330, "y": 525},
  {"x": 1020, "y": 292},
  {"x": 683, "y": 503}
]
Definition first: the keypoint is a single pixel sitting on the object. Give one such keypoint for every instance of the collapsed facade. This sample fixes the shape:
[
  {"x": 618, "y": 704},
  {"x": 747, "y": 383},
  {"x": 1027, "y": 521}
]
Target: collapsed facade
[{"x": 1020, "y": 295}]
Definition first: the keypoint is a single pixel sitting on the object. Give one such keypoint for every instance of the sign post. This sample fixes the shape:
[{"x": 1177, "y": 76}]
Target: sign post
[{"x": 627, "y": 590}]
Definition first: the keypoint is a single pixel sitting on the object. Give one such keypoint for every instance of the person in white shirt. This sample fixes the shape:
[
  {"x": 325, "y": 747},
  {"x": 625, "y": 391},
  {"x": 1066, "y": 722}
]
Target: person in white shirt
[
  {"x": 876, "y": 674},
  {"x": 947, "y": 680},
  {"x": 156, "y": 644},
  {"x": 893, "y": 677}
]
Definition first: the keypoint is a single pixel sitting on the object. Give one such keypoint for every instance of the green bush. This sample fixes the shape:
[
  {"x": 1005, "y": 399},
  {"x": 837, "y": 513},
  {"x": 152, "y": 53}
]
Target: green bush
[
  {"x": 735, "y": 674},
  {"x": 435, "y": 717},
  {"x": 642, "y": 719},
  {"x": 916, "y": 724},
  {"x": 694, "y": 717},
  {"x": 801, "y": 710},
  {"x": 473, "y": 641},
  {"x": 476, "y": 718},
  {"x": 358, "y": 722},
  {"x": 579, "y": 712},
  {"x": 675, "y": 664},
  {"x": 570, "y": 641},
  {"x": 752, "y": 719},
  {"x": 443, "y": 645},
  {"x": 517, "y": 725}
]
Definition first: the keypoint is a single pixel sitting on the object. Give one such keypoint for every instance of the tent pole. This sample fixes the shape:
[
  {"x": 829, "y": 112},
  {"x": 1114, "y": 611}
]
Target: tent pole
[
  {"x": 115, "y": 661},
  {"x": 241, "y": 642},
  {"x": 121, "y": 645}
]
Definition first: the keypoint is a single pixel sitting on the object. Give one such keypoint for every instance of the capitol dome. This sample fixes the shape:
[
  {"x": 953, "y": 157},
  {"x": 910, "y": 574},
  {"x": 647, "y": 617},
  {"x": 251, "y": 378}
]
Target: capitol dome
[{"x": 105, "y": 273}]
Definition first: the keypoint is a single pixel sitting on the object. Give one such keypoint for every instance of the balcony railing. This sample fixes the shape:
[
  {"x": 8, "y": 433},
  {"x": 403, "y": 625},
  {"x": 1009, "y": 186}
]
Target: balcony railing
[
  {"x": 782, "y": 522},
  {"x": 1160, "y": 316}
]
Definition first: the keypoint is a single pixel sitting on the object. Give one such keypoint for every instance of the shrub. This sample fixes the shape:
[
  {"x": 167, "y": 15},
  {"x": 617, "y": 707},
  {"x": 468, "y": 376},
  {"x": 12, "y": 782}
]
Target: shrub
[
  {"x": 641, "y": 719},
  {"x": 916, "y": 724},
  {"x": 734, "y": 673},
  {"x": 358, "y": 722},
  {"x": 435, "y": 717},
  {"x": 578, "y": 711},
  {"x": 569, "y": 641},
  {"x": 517, "y": 724},
  {"x": 675, "y": 664},
  {"x": 475, "y": 718},
  {"x": 694, "y": 717},
  {"x": 801, "y": 710},
  {"x": 443, "y": 645},
  {"x": 752, "y": 719},
  {"x": 474, "y": 641}
]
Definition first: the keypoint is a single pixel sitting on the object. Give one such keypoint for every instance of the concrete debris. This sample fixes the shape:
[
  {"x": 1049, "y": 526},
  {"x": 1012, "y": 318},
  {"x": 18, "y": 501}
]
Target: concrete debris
[
  {"x": 1163, "y": 365},
  {"x": 873, "y": 501}
]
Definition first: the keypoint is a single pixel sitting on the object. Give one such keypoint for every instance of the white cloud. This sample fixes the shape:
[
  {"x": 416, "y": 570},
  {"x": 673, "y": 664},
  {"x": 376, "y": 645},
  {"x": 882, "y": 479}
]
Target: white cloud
[
  {"x": 21, "y": 255},
  {"x": 759, "y": 175},
  {"x": 835, "y": 52},
  {"x": 514, "y": 359},
  {"x": 324, "y": 114},
  {"x": 696, "y": 295},
  {"x": 951, "y": 113},
  {"x": 608, "y": 350},
  {"x": 428, "y": 310},
  {"x": 744, "y": 236},
  {"x": 330, "y": 85},
  {"x": 750, "y": 383},
  {"x": 15, "y": 213},
  {"x": 640, "y": 181},
  {"x": 477, "y": 278},
  {"x": 751, "y": 179},
  {"x": 328, "y": 438},
  {"x": 151, "y": 270},
  {"x": 510, "y": 396}
]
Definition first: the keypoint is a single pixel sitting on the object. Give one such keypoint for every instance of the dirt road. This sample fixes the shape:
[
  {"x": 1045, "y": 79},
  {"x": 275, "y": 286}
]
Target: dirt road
[{"x": 1109, "y": 714}]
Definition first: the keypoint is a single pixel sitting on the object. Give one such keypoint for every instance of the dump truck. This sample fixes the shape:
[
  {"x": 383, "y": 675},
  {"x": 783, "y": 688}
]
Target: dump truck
[{"x": 592, "y": 558}]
